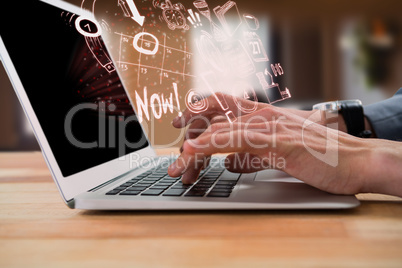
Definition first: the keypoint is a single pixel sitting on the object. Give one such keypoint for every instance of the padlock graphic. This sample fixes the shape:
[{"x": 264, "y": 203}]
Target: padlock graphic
[{"x": 272, "y": 91}]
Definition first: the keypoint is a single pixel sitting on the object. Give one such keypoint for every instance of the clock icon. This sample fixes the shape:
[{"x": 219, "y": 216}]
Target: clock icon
[
  {"x": 173, "y": 15},
  {"x": 175, "y": 19}
]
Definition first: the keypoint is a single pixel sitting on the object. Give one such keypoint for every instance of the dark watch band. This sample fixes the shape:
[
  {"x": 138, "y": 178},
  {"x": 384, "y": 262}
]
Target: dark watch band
[
  {"x": 354, "y": 118},
  {"x": 352, "y": 112}
]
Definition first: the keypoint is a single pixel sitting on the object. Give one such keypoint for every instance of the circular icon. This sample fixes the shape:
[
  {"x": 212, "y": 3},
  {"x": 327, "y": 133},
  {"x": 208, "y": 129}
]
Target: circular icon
[
  {"x": 144, "y": 50},
  {"x": 88, "y": 27},
  {"x": 196, "y": 102},
  {"x": 247, "y": 92},
  {"x": 175, "y": 19}
]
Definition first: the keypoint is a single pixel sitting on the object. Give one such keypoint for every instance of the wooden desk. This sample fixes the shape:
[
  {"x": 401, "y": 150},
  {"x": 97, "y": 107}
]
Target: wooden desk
[{"x": 38, "y": 230}]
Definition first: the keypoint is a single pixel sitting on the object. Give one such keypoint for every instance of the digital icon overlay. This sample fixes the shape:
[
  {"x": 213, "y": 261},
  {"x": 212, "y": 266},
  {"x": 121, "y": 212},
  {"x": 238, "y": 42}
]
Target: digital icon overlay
[{"x": 172, "y": 55}]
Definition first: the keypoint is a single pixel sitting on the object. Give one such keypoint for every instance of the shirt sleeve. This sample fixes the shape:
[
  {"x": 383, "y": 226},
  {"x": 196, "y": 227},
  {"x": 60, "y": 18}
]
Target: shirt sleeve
[{"x": 386, "y": 117}]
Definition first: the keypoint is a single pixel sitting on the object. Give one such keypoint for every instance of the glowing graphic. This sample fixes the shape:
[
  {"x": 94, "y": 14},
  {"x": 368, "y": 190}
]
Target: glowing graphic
[
  {"x": 143, "y": 50},
  {"x": 256, "y": 48},
  {"x": 272, "y": 90},
  {"x": 252, "y": 22},
  {"x": 229, "y": 16},
  {"x": 100, "y": 53},
  {"x": 88, "y": 27},
  {"x": 159, "y": 104},
  {"x": 196, "y": 102},
  {"x": 92, "y": 70},
  {"x": 159, "y": 68},
  {"x": 204, "y": 10},
  {"x": 210, "y": 52},
  {"x": 277, "y": 69},
  {"x": 194, "y": 18},
  {"x": 172, "y": 55},
  {"x": 248, "y": 93},
  {"x": 208, "y": 78},
  {"x": 130, "y": 10},
  {"x": 91, "y": 30},
  {"x": 238, "y": 59},
  {"x": 173, "y": 14}
]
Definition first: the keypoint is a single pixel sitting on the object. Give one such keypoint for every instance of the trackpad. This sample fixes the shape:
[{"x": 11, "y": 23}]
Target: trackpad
[{"x": 271, "y": 175}]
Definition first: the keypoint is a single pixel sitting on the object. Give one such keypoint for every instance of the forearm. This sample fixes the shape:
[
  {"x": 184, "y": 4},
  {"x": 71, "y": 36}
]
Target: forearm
[
  {"x": 376, "y": 163},
  {"x": 327, "y": 159},
  {"x": 383, "y": 170}
]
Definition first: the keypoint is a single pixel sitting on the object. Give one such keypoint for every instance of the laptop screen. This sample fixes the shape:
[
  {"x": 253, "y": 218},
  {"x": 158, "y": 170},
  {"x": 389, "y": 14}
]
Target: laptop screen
[{"x": 72, "y": 85}]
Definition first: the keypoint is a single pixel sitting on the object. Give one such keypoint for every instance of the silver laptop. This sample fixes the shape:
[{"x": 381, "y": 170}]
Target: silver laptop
[{"x": 50, "y": 66}]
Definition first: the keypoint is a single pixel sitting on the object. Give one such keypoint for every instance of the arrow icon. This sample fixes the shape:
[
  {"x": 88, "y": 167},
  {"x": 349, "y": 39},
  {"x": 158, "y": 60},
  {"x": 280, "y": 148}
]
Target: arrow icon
[{"x": 130, "y": 10}]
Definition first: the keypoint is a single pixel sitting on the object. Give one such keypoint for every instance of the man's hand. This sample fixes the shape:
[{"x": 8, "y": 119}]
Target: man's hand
[{"x": 289, "y": 140}]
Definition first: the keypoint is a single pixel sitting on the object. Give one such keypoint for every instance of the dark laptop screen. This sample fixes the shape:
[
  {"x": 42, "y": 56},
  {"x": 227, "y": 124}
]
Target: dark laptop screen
[{"x": 72, "y": 85}]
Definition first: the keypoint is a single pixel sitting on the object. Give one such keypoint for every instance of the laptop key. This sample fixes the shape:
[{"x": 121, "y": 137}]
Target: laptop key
[
  {"x": 153, "y": 192},
  {"x": 181, "y": 183},
  {"x": 167, "y": 180},
  {"x": 174, "y": 192},
  {"x": 149, "y": 180},
  {"x": 130, "y": 193},
  {"x": 113, "y": 192},
  {"x": 223, "y": 187},
  {"x": 203, "y": 184},
  {"x": 159, "y": 187},
  {"x": 137, "y": 188},
  {"x": 144, "y": 184},
  {"x": 210, "y": 177},
  {"x": 163, "y": 184},
  {"x": 185, "y": 187},
  {"x": 229, "y": 176},
  {"x": 231, "y": 183},
  {"x": 170, "y": 178},
  {"x": 195, "y": 188},
  {"x": 218, "y": 194},
  {"x": 120, "y": 188},
  {"x": 221, "y": 190},
  {"x": 195, "y": 193},
  {"x": 155, "y": 176}
]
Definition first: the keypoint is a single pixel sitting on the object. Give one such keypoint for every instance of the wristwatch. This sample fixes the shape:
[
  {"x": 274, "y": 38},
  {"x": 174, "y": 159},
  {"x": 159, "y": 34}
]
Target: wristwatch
[{"x": 352, "y": 112}]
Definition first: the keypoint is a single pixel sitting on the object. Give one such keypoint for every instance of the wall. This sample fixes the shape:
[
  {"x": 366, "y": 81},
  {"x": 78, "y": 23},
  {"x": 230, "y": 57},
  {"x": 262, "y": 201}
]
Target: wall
[{"x": 306, "y": 37}]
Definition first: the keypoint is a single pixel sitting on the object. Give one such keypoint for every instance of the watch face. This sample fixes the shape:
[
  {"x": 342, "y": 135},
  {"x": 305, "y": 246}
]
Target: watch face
[
  {"x": 332, "y": 106},
  {"x": 335, "y": 106},
  {"x": 174, "y": 17}
]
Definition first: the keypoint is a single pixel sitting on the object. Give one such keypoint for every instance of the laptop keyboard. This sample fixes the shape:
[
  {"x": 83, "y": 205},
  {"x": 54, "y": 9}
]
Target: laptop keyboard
[{"x": 213, "y": 182}]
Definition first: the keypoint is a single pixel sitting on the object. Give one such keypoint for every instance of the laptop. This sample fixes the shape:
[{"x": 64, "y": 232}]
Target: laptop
[{"x": 69, "y": 93}]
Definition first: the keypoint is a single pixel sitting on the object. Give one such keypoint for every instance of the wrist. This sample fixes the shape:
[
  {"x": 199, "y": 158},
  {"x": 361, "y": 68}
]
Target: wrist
[
  {"x": 338, "y": 123},
  {"x": 383, "y": 169},
  {"x": 331, "y": 120},
  {"x": 347, "y": 116},
  {"x": 335, "y": 121}
]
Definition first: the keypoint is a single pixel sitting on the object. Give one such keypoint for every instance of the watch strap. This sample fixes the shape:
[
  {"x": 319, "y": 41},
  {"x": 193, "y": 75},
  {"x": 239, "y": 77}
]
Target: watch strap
[{"x": 353, "y": 115}]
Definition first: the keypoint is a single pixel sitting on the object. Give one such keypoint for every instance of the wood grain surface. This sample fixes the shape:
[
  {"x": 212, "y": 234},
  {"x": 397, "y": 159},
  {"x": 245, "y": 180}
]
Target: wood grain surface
[{"x": 38, "y": 230}]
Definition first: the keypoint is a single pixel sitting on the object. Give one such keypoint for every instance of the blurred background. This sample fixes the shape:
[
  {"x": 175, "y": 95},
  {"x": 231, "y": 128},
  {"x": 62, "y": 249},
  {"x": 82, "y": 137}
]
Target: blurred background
[{"x": 330, "y": 50}]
